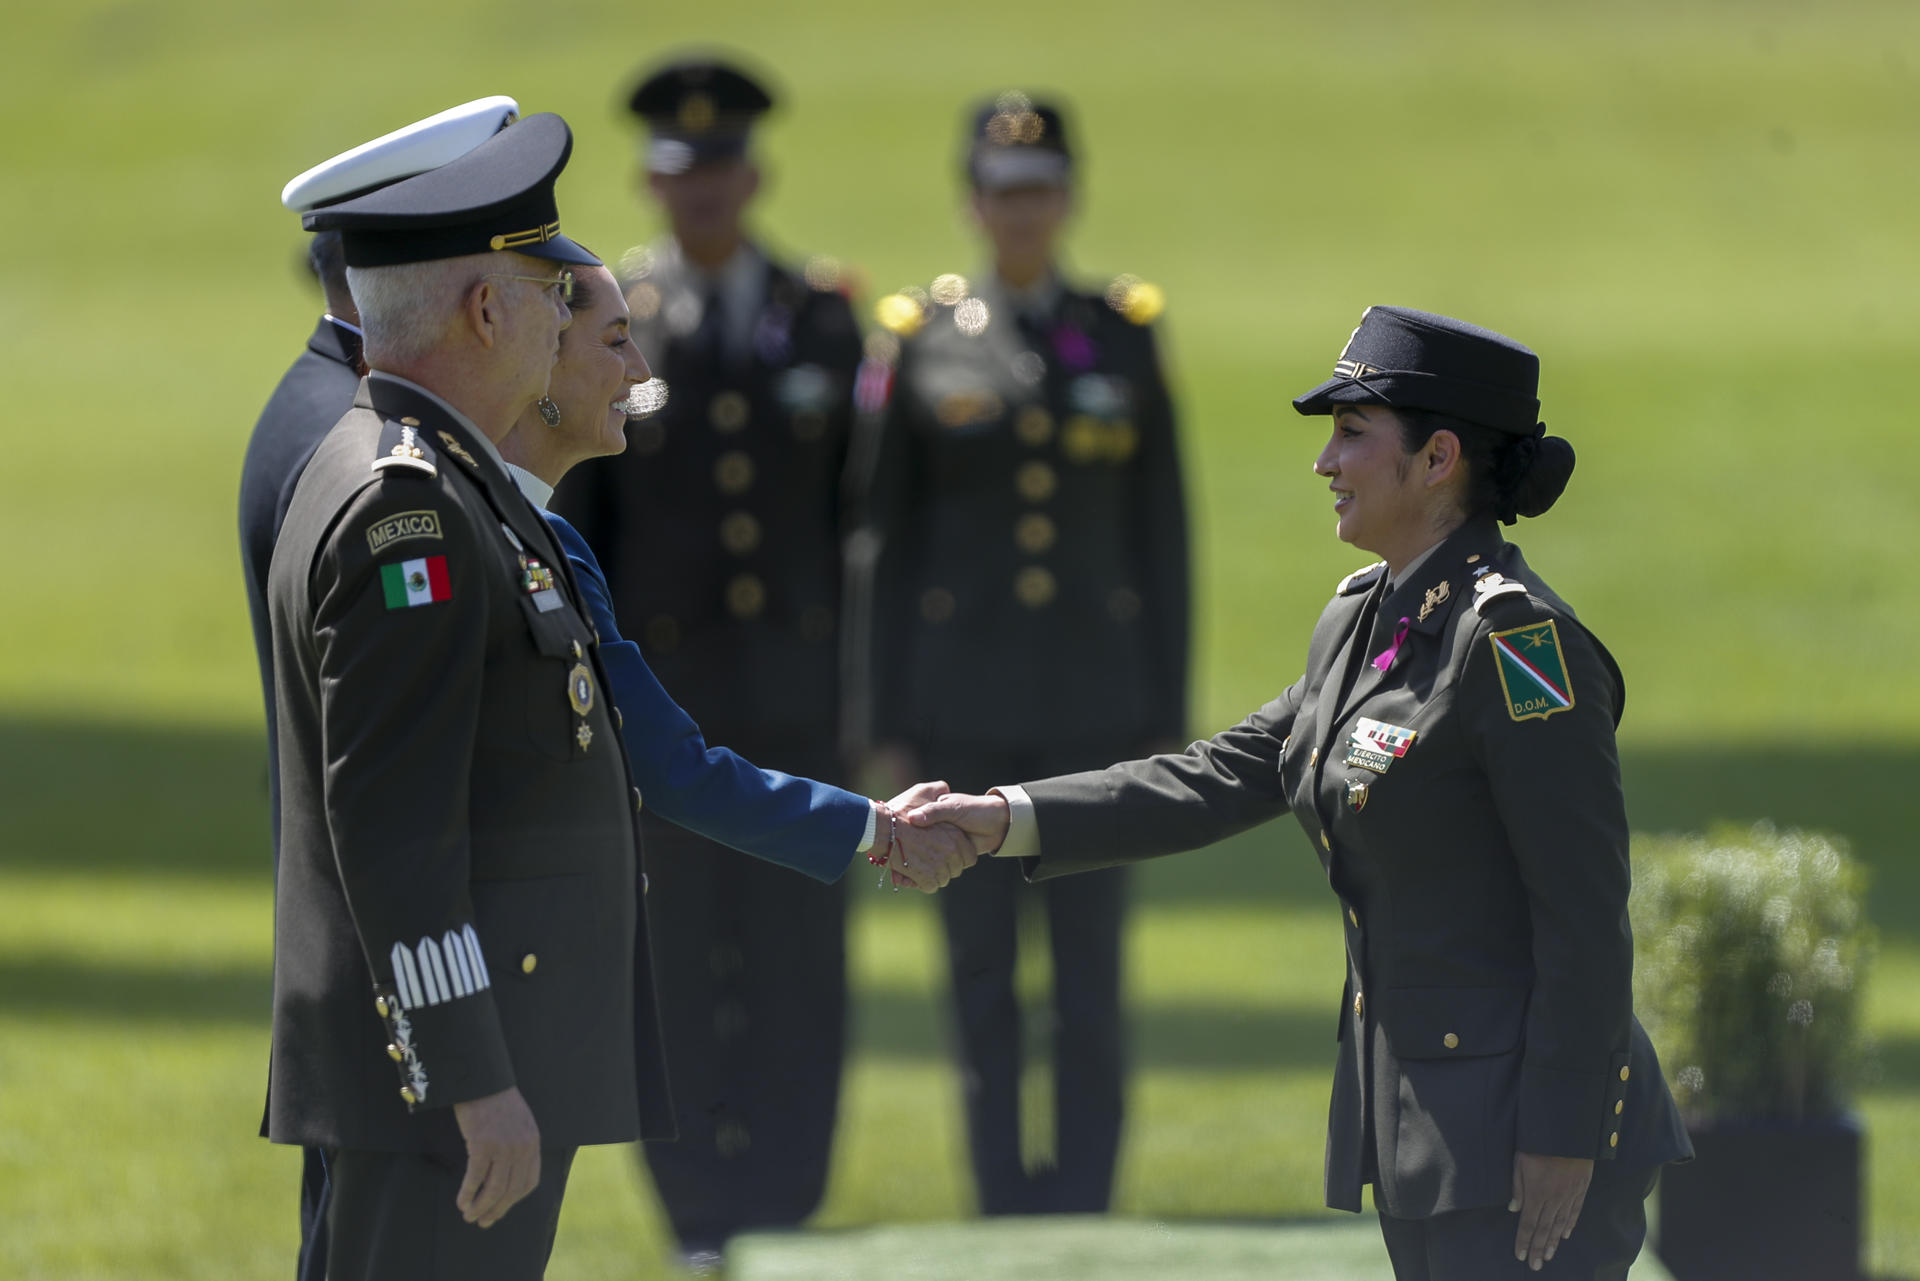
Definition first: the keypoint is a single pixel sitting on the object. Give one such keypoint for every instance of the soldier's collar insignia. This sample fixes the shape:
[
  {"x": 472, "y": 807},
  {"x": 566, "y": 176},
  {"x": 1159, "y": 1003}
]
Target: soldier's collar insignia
[
  {"x": 458, "y": 450},
  {"x": 1436, "y": 597},
  {"x": 1533, "y": 670}
]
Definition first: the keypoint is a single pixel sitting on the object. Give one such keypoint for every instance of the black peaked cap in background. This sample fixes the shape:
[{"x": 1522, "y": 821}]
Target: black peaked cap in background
[
  {"x": 697, "y": 110},
  {"x": 1018, "y": 141},
  {"x": 1416, "y": 360},
  {"x": 497, "y": 196}
]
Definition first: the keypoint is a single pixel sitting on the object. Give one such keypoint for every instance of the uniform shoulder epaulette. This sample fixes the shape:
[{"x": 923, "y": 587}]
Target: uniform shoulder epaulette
[
  {"x": 903, "y": 313},
  {"x": 1140, "y": 301},
  {"x": 1489, "y": 585},
  {"x": 1361, "y": 579},
  {"x": 403, "y": 449}
]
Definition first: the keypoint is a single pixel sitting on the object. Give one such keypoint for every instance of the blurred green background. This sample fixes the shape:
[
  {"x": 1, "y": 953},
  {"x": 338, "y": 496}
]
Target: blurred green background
[{"x": 1701, "y": 214}]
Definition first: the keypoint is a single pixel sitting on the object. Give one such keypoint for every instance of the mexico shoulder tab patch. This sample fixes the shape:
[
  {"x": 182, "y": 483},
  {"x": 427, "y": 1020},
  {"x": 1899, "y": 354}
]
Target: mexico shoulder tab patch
[
  {"x": 1533, "y": 670},
  {"x": 416, "y": 582}
]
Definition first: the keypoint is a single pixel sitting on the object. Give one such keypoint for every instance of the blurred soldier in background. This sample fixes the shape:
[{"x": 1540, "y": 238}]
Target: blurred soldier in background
[
  {"x": 720, "y": 531},
  {"x": 313, "y": 395},
  {"x": 1021, "y": 577}
]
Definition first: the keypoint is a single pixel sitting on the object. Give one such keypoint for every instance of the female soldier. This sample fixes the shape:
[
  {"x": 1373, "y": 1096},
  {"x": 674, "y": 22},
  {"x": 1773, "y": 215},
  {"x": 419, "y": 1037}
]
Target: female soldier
[{"x": 1450, "y": 750}]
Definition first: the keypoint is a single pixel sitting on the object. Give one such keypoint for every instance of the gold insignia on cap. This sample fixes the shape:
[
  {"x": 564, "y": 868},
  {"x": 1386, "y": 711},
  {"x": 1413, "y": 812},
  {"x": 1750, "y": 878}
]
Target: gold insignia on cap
[
  {"x": 1034, "y": 426},
  {"x": 1436, "y": 597},
  {"x": 696, "y": 113},
  {"x": 740, "y": 533},
  {"x": 531, "y": 236},
  {"x": 1035, "y": 586},
  {"x": 948, "y": 289},
  {"x": 580, "y": 688},
  {"x": 1034, "y": 533},
  {"x": 457, "y": 449},
  {"x": 936, "y": 604},
  {"x": 1014, "y": 122},
  {"x": 728, "y": 411},
  {"x": 733, "y": 472},
  {"x": 900, "y": 314},
  {"x": 1035, "y": 481},
  {"x": 746, "y": 596}
]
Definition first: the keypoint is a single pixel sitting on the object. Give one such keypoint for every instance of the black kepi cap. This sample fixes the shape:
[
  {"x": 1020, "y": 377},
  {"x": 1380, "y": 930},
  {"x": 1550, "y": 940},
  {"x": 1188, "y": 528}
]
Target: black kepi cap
[
  {"x": 698, "y": 111},
  {"x": 1410, "y": 359},
  {"x": 497, "y": 196},
  {"x": 1018, "y": 142}
]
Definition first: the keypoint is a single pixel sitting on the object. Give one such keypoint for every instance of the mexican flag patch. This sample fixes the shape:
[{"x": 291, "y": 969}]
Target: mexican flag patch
[
  {"x": 416, "y": 582},
  {"x": 1533, "y": 671}
]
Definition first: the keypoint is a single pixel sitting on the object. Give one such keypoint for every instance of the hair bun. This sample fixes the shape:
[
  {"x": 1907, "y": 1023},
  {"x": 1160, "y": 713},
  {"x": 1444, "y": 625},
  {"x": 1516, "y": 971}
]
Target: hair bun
[{"x": 1543, "y": 467}]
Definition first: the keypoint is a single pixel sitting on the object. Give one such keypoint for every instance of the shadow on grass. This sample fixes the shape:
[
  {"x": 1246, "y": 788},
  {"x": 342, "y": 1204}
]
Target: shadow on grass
[{"x": 60, "y": 989}]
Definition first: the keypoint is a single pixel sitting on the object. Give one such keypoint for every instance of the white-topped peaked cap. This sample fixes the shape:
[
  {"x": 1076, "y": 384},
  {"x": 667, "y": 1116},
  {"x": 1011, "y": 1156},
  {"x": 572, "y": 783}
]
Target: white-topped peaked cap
[{"x": 405, "y": 153}]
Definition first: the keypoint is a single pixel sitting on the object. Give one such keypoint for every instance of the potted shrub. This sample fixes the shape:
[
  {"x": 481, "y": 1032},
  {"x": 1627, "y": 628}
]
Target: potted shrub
[{"x": 1751, "y": 949}]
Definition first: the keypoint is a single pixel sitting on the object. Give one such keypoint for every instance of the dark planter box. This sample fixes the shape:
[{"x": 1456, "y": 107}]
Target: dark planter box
[{"x": 1764, "y": 1201}]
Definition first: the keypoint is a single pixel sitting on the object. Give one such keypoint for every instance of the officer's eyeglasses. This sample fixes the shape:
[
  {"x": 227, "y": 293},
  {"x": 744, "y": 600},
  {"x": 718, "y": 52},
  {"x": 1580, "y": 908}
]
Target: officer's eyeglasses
[{"x": 563, "y": 281}]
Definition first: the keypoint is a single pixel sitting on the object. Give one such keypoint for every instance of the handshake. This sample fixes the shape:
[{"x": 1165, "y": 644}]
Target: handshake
[{"x": 928, "y": 835}]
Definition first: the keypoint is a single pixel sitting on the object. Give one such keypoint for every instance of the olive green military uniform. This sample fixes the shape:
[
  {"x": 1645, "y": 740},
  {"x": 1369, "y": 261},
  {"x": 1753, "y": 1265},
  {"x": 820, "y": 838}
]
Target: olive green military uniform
[
  {"x": 457, "y": 904},
  {"x": 1021, "y": 585},
  {"x": 719, "y": 529},
  {"x": 1450, "y": 751}
]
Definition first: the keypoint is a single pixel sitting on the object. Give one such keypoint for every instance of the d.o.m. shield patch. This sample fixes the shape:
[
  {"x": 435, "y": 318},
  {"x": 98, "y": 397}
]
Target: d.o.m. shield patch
[{"x": 1533, "y": 671}]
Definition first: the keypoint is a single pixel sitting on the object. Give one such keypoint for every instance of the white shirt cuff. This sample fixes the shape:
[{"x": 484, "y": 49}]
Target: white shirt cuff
[
  {"x": 873, "y": 828},
  {"x": 1023, "y": 829}
]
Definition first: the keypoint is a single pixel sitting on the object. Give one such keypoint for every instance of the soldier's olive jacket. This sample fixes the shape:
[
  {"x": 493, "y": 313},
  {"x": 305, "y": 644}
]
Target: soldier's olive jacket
[
  {"x": 1021, "y": 571},
  {"x": 720, "y": 526},
  {"x": 456, "y": 909},
  {"x": 1467, "y": 807}
]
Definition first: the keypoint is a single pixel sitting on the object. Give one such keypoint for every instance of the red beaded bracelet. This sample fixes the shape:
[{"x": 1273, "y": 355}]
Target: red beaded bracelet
[{"x": 886, "y": 851}]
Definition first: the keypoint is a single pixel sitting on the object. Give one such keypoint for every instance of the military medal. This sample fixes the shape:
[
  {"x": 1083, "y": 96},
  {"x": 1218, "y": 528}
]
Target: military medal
[
  {"x": 1356, "y": 795},
  {"x": 1374, "y": 745},
  {"x": 580, "y": 689}
]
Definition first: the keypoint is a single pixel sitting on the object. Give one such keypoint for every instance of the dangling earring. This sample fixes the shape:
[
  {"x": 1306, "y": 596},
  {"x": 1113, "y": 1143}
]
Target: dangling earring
[{"x": 549, "y": 412}]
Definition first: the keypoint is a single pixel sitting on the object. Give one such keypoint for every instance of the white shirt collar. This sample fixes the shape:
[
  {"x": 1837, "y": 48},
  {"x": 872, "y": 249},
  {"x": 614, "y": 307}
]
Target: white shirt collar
[
  {"x": 538, "y": 491},
  {"x": 487, "y": 446}
]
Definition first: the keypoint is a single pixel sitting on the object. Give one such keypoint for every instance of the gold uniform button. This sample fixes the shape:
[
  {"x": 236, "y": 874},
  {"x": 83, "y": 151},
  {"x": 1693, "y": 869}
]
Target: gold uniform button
[
  {"x": 1613, "y": 1140},
  {"x": 1353, "y": 918},
  {"x": 1035, "y": 481},
  {"x": 1359, "y": 1004},
  {"x": 1619, "y": 1106},
  {"x": 727, "y": 411},
  {"x": 746, "y": 596},
  {"x": 1451, "y": 1041},
  {"x": 740, "y": 533},
  {"x": 577, "y": 651},
  {"x": 619, "y": 721},
  {"x": 395, "y": 1053},
  {"x": 381, "y": 1006},
  {"x": 1034, "y": 426},
  {"x": 1624, "y": 1073},
  {"x": 529, "y": 963},
  {"x": 733, "y": 472},
  {"x": 636, "y": 800},
  {"x": 936, "y": 604},
  {"x": 1325, "y": 844},
  {"x": 1035, "y": 587},
  {"x": 1034, "y": 533},
  {"x": 408, "y": 1096},
  {"x": 1313, "y": 758}
]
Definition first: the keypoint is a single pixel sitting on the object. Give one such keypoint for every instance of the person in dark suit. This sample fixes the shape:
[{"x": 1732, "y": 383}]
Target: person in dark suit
[
  {"x": 1450, "y": 751},
  {"x": 311, "y": 397},
  {"x": 719, "y": 529},
  {"x": 1021, "y": 582}
]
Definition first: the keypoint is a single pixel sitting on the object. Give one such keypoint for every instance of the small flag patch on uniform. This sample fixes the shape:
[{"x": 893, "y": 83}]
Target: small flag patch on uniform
[
  {"x": 1533, "y": 671},
  {"x": 416, "y": 582}
]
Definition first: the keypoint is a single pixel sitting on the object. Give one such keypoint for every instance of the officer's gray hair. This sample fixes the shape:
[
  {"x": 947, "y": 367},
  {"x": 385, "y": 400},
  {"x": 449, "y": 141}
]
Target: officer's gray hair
[{"x": 405, "y": 309}]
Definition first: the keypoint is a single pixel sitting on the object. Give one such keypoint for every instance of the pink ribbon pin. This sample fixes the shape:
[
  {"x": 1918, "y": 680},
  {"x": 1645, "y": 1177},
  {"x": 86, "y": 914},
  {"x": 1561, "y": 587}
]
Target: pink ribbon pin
[{"x": 1387, "y": 655}]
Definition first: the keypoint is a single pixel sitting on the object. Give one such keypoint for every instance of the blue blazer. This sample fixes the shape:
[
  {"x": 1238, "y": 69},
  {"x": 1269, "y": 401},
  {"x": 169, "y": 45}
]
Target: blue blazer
[{"x": 795, "y": 822}]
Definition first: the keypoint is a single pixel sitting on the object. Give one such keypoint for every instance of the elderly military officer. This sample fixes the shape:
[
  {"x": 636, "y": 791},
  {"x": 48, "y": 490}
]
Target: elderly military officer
[
  {"x": 719, "y": 529},
  {"x": 455, "y": 966},
  {"x": 1450, "y": 751},
  {"x": 308, "y": 401},
  {"x": 1023, "y": 572}
]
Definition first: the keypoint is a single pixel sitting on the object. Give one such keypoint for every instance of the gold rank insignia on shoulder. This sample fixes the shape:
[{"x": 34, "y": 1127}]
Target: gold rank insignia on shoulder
[
  {"x": 1140, "y": 302},
  {"x": 406, "y": 453},
  {"x": 1489, "y": 585},
  {"x": 1533, "y": 670},
  {"x": 457, "y": 449},
  {"x": 1436, "y": 597}
]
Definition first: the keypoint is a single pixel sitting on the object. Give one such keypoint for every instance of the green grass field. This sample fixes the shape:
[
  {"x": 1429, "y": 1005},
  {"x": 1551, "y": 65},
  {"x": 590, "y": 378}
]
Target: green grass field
[{"x": 1699, "y": 212}]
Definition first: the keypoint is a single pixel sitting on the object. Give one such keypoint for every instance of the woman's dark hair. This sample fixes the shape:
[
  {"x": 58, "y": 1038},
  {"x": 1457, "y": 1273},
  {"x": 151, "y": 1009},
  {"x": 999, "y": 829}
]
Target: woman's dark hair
[
  {"x": 1508, "y": 476},
  {"x": 584, "y": 289}
]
